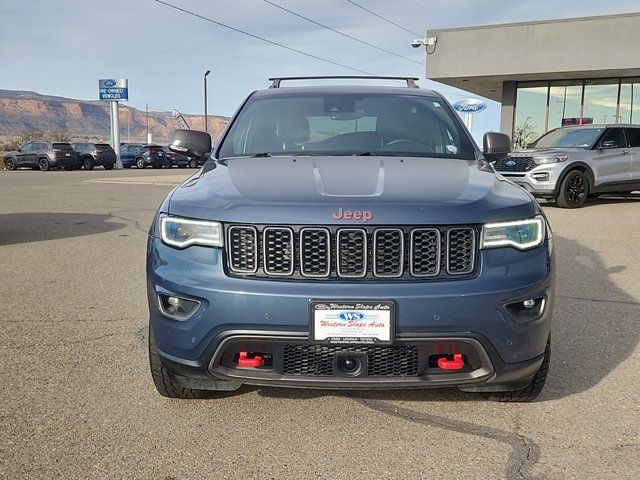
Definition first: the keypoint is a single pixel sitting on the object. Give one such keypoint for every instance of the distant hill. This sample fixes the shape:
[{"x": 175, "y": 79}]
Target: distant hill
[{"x": 22, "y": 111}]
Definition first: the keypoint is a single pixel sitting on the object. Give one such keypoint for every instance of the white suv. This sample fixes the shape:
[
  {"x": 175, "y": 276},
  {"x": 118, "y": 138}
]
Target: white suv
[{"x": 568, "y": 164}]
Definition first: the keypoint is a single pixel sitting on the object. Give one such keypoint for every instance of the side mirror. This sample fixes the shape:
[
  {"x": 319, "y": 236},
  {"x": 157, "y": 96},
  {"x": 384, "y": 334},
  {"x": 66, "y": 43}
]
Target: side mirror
[
  {"x": 496, "y": 144},
  {"x": 192, "y": 143},
  {"x": 608, "y": 144}
]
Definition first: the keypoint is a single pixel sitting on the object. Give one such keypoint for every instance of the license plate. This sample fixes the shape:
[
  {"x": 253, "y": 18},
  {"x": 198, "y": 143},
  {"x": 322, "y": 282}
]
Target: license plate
[{"x": 352, "y": 322}]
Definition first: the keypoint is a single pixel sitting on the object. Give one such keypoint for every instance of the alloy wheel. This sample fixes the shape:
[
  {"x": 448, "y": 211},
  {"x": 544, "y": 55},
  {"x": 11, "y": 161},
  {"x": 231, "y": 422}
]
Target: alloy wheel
[
  {"x": 43, "y": 164},
  {"x": 576, "y": 189}
]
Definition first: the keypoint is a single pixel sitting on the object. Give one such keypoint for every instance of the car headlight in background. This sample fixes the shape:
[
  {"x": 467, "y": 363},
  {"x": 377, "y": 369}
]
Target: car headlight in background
[
  {"x": 184, "y": 232},
  {"x": 520, "y": 234},
  {"x": 545, "y": 160}
]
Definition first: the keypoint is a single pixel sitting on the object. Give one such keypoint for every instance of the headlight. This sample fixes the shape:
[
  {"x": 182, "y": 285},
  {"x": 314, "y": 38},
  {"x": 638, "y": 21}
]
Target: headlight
[
  {"x": 183, "y": 232},
  {"x": 521, "y": 234},
  {"x": 545, "y": 160}
]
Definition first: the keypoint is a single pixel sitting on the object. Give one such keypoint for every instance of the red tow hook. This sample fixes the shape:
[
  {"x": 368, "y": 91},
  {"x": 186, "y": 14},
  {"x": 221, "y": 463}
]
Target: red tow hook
[
  {"x": 245, "y": 361},
  {"x": 456, "y": 364}
]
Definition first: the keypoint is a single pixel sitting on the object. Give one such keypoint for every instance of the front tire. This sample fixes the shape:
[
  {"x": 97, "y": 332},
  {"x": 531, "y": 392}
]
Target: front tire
[
  {"x": 193, "y": 163},
  {"x": 10, "y": 164},
  {"x": 531, "y": 391},
  {"x": 140, "y": 163},
  {"x": 164, "y": 381},
  {"x": 574, "y": 190},
  {"x": 44, "y": 165}
]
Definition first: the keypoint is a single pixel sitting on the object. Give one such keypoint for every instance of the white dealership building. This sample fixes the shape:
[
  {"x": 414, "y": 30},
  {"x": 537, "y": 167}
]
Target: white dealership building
[{"x": 548, "y": 73}]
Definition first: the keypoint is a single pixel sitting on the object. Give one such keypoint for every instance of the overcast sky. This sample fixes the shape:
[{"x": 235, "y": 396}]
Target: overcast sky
[{"x": 63, "y": 47}]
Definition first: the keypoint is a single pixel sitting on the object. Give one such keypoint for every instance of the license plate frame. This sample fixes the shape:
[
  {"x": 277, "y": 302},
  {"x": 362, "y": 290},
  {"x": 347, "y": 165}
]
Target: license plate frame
[{"x": 346, "y": 333}]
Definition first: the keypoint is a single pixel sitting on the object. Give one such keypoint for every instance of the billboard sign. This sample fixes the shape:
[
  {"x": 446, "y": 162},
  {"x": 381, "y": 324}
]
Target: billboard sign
[{"x": 113, "y": 90}]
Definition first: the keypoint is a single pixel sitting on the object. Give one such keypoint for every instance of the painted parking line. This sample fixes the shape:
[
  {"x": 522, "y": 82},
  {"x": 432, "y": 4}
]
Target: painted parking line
[{"x": 150, "y": 180}]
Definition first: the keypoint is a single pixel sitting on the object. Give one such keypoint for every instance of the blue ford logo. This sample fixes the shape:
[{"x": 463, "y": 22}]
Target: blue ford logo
[
  {"x": 350, "y": 315},
  {"x": 511, "y": 163},
  {"x": 110, "y": 83},
  {"x": 470, "y": 105}
]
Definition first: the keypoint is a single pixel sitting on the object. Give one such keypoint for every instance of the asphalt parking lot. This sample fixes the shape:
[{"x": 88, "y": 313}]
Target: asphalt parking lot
[{"x": 77, "y": 401}]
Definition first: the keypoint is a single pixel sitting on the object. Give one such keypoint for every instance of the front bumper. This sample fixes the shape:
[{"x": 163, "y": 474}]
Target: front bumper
[
  {"x": 238, "y": 313},
  {"x": 541, "y": 181}
]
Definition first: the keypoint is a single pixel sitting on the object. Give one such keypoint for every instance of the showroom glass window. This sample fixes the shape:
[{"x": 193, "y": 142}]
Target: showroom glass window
[
  {"x": 531, "y": 113},
  {"x": 600, "y": 101},
  {"x": 542, "y": 106},
  {"x": 565, "y": 99},
  {"x": 630, "y": 101}
]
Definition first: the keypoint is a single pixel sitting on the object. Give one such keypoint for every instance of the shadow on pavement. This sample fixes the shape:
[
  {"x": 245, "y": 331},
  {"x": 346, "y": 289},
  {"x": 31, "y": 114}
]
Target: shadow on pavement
[
  {"x": 595, "y": 329},
  {"x": 16, "y": 228},
  {"x": 604, "y": 199}
]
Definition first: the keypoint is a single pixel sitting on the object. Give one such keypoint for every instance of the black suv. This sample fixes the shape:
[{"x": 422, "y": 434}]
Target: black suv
[
  {"x": 142, "y": 155},
  {"x": 43, "y": 156},
  {"x": 94, "y": 154}
]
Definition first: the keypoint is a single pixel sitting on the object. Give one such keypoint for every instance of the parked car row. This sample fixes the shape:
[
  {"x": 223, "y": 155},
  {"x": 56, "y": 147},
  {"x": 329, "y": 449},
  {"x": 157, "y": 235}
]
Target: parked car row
[
  {"x": 43, "y": 156},
  {"x": 86, "y": 155}
]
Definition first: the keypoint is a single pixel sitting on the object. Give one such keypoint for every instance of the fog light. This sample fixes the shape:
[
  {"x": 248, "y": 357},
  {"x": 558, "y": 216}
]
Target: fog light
[
  {"x": 540, "y": 177},
  {"x": 527, "y": 310},
  {"x": 177, "y": 308}
]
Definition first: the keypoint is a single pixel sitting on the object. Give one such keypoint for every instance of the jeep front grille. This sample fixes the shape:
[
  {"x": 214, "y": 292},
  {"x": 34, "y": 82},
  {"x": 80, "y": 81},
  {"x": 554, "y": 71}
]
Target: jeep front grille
[
  {"x": 514, "y": 164},
  {"x": 351, "y": 252},
  {"x": 243, "y": 249},
  {"x": 304, "y": 252}
]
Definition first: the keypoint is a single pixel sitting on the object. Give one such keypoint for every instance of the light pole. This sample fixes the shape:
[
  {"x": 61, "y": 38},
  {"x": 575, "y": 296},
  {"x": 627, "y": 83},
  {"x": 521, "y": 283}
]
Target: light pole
[{"x": 206, "y": 120}]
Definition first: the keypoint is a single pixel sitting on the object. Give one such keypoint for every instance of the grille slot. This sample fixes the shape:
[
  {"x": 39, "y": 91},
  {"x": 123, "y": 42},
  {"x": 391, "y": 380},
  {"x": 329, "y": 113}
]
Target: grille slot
[
  {"x": 243, "y": 249},
  {"x": 461, "y": 245},
  {"x": 352, "y": 252},
  {"x": 520, "y": 164},
  {"x": 382, "y": 361},
  {"x": 314, "y": 252},
  {"x": 277, "y": 250},
  {"x": 425, "y": 252},
  {"x": 333, "y": 252},
  {"x": 388, "y": 252}
]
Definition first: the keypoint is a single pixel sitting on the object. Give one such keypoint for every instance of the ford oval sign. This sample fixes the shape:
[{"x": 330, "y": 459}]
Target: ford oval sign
[
  {"x": 110, "y": 83},
  {"x": 351, "y": 315},
  {"x": 470, "y": 105}
]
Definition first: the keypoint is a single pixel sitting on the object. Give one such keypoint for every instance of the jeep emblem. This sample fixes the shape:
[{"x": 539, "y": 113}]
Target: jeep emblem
[{"x": 364, "y": 215}]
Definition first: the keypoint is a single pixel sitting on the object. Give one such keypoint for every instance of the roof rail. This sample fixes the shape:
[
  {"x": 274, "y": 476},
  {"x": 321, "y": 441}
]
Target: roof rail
[{"x": 411, "y": 81}]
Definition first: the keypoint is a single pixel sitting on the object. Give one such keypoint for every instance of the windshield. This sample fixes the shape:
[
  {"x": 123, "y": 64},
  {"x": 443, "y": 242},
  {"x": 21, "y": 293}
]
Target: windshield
[
  {"x": 569, "y": 138},
  {"x": 346, "y": 124}
]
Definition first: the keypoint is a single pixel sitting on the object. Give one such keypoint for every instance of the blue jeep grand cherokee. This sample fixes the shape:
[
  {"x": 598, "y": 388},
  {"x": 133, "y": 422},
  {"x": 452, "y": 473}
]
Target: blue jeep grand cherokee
[{"x": 349, "y": 237}]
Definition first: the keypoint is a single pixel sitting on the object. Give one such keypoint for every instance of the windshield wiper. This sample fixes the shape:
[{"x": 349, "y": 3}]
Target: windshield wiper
[
  {"x": 365, "y": 154},
  {"x": 261, "y": 155}
]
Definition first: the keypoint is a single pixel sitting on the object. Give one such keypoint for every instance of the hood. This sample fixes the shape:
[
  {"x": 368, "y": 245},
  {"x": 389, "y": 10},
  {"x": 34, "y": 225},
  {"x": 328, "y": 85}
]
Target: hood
[
  {"x": 544, "y": 152},
  {"x": 314, "y": 190}
]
